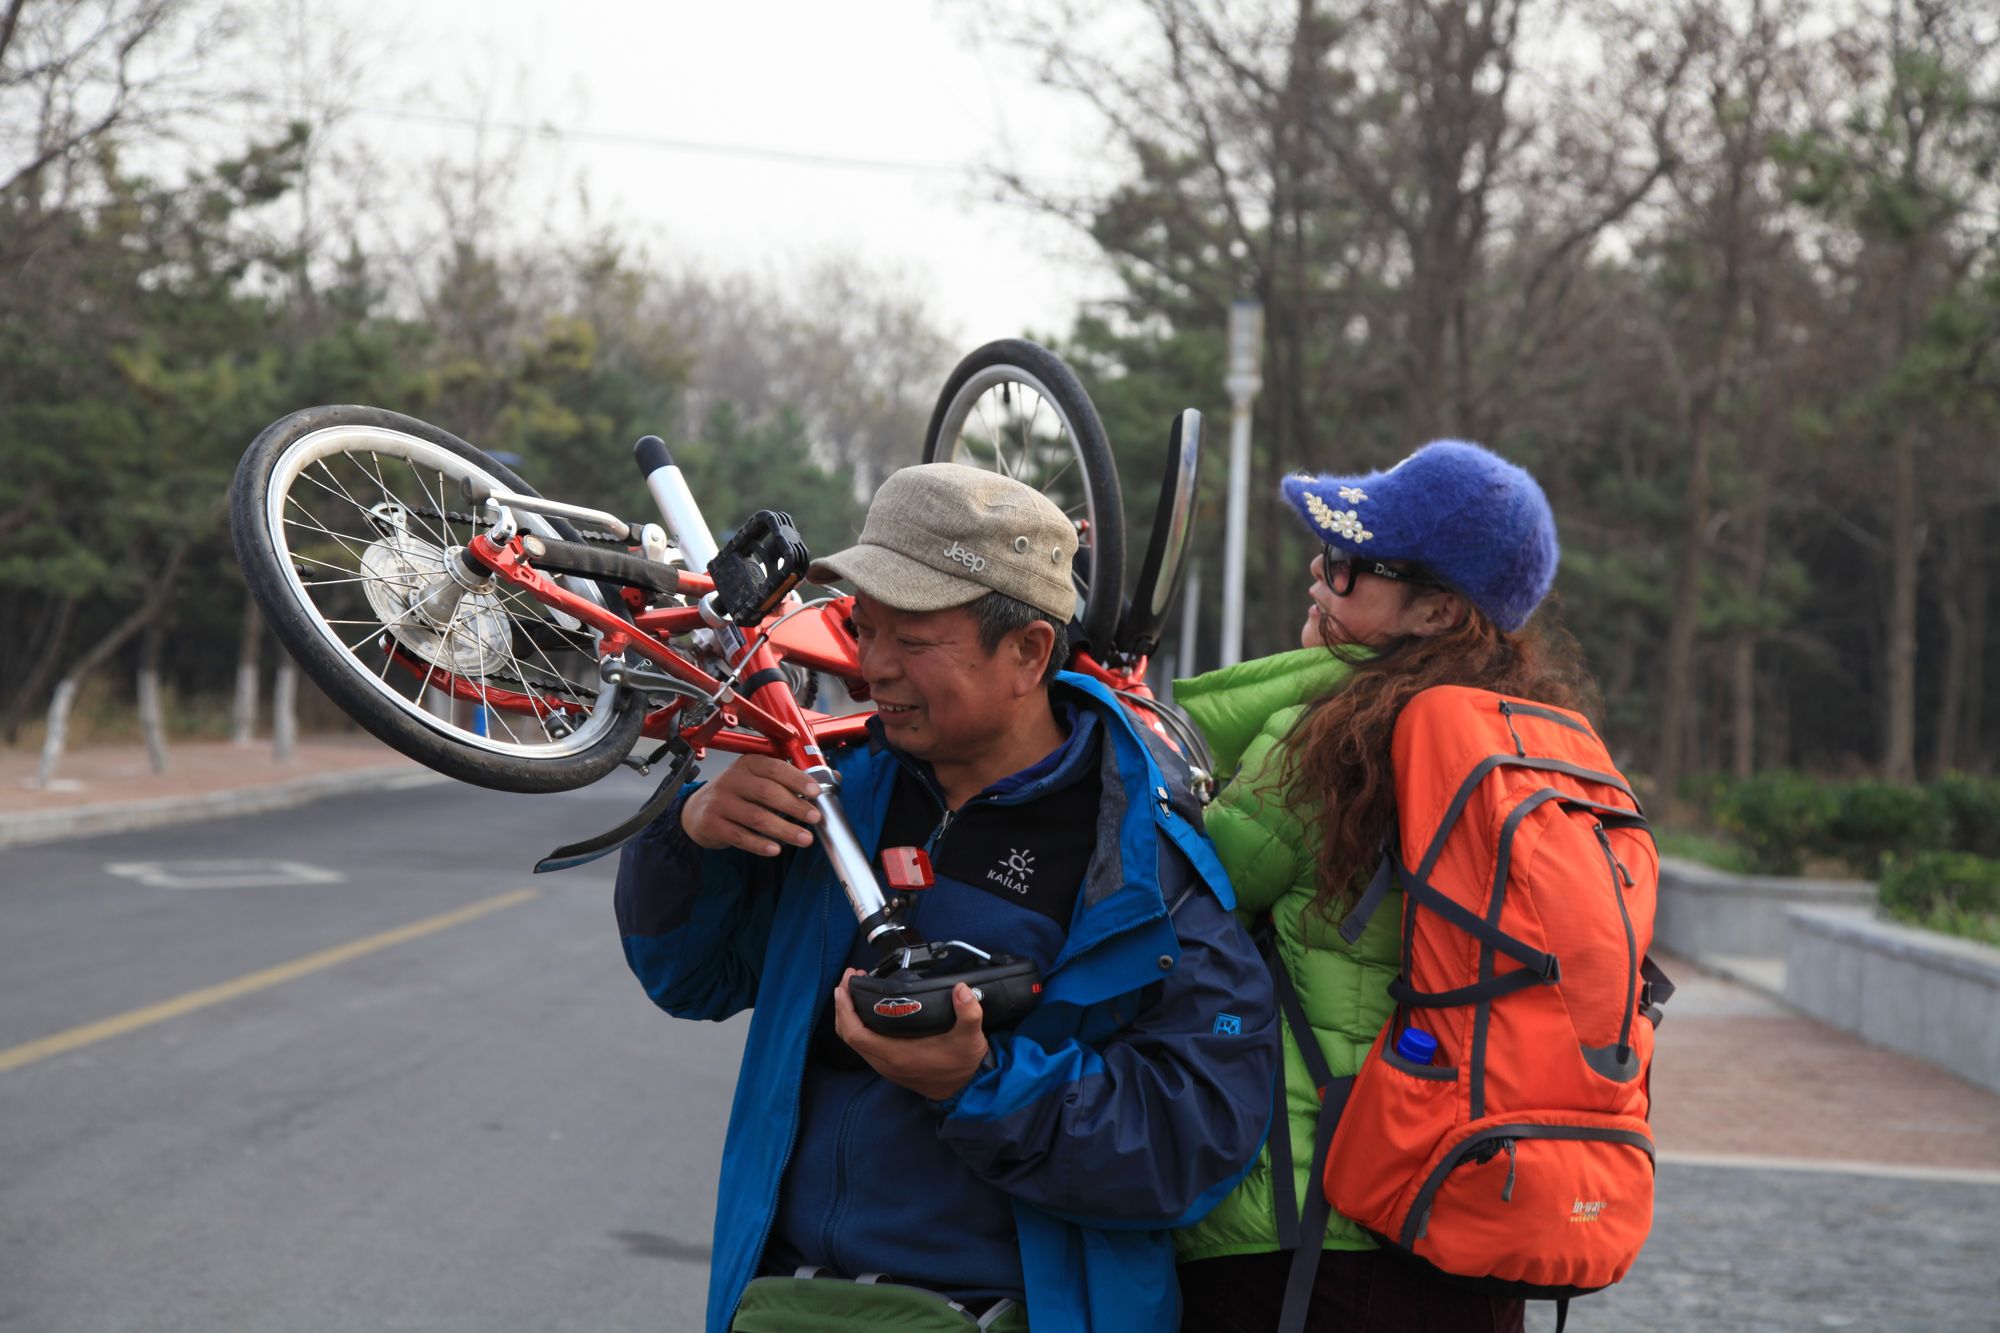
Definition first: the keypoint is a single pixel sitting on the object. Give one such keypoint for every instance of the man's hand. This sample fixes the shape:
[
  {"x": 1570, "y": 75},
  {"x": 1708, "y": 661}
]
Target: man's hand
[
  {"x": 934, "y": 1067},
  {"x": 757, "y": 804}
]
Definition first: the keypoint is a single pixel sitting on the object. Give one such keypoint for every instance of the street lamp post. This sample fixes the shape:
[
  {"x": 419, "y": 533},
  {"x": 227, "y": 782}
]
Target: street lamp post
[{"x": 1246, "y": 348}]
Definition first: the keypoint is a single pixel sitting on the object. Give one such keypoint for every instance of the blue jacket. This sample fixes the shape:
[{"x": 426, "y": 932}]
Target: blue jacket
[{"x": 1128, "y": 1103}]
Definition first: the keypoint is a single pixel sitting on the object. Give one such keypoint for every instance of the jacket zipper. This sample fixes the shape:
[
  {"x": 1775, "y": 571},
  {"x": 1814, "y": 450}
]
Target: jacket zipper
[
  {"x": 1618, "y": 873},
  {"x": 792, "y": 1143},
  {"x": 930, "y": 843}
]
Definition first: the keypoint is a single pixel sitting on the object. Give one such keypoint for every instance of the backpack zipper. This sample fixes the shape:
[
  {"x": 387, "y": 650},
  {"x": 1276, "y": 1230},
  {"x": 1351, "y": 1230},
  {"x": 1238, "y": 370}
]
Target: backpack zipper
[
  {"x": 1507, "y": 1194},
  {"x": 1416, "y": 1223},
  {"x": 1507, "y": 713},
  {"x": 1618, "y": 873}
]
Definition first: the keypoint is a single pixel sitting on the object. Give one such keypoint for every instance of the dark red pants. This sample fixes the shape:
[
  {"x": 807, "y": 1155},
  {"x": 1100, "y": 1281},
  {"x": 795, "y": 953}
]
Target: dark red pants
[{"x": 1355, "y": 1291}]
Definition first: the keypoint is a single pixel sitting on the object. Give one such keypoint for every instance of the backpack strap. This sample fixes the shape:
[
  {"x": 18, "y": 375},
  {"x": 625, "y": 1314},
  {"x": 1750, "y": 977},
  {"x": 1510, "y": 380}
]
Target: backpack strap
[
  {"x": 1301, "y": 1230},
  {"x": 1378, "y": 888},
  {"x": 1656, "y": 989}
]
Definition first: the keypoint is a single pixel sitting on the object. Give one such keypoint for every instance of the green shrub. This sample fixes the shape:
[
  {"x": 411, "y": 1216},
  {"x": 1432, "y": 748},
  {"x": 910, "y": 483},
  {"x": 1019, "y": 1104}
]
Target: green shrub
[
  {"x": 1955, "y": 879},
  {"x": 1710, "y": 851},
  {"x": 1873, "y": 819},
  {"x": 1973, "y": 807},
  {"x": 1776, "y": 818},
  {"x": 1698, "y": 792},
  {"x": 1954, "y": 892}
]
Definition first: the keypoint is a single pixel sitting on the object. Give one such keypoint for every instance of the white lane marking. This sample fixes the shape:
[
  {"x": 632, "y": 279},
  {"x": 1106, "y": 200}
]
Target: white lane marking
[
  {"x": 223, "y": 874},
  {"x": 104, "y": 1029},
  {"x": 1886, "y": 1170}
]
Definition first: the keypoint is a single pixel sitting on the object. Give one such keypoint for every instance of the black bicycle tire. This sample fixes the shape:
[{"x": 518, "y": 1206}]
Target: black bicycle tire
[
  {"x": 335, "y": 674},
  {"x": 1104, "y": 595}
]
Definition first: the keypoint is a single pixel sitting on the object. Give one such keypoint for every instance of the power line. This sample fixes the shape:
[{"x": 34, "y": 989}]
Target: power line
[{"x": 754, "y": 152}]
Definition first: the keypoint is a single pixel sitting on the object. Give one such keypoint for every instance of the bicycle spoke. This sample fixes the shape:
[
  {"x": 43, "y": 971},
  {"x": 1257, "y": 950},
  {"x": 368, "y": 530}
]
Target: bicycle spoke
[
  {"x": 335, "y": 489},
  {"x": 375, "y": 631},
  {"x": 486, "y": 701},
  {"x": 340, "y": 538},
  {"x": 540, "y": 615},
  {"x": 999, "y": 453},
  {"x": 397, "y": 500},
  {"x": 436, "y": 501},
  {"x": 1028, "y": 441},
  {"x": 450, "y": 538},
  {"x": 566, "y": 683}
]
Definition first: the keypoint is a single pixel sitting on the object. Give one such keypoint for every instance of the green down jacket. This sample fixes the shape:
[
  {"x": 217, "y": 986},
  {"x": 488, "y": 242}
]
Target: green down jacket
[{"x": 1271, "y": 853}]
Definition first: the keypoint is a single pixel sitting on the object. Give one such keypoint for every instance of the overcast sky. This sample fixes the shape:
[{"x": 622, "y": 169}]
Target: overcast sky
[{"x": 757, "y": 136}]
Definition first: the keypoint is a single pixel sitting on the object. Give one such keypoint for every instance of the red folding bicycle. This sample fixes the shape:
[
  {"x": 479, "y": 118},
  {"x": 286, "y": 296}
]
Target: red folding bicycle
[{"x": 533, "y": 645}]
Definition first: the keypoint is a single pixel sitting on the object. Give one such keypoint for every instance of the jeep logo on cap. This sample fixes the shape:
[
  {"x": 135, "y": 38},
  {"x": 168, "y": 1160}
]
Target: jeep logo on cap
[{"x": 975, "y": 563}]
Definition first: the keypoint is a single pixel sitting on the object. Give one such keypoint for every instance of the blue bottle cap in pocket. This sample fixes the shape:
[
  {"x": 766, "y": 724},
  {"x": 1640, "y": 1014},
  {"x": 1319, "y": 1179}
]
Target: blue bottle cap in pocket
[{"x": 1417, "y": 1046}]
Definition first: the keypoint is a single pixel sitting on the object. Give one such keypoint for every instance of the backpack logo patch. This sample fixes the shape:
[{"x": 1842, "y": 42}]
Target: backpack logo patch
[
  {"x": 1587, "y": 1210},
  {"x": 1228, "y": 1025}
]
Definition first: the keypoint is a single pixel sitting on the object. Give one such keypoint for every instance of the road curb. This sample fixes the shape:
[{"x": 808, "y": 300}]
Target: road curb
[{"x": 19, "y": 830}]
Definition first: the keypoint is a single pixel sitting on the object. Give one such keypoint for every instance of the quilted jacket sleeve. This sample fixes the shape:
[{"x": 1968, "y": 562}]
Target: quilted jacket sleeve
[
  {"x": 694, "y": 923},
  {"x": 1256, "y": 833}
]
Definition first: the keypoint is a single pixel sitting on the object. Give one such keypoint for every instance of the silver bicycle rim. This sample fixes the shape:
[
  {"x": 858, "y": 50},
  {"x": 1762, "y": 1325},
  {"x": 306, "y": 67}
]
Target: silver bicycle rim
[
  {"x": 417, "y": 456},
  {"x": 978, "y": 431}
]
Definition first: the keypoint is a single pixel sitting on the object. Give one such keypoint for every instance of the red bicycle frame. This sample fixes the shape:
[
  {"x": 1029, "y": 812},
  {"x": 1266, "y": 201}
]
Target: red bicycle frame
[{"x": 765, "y": 720}]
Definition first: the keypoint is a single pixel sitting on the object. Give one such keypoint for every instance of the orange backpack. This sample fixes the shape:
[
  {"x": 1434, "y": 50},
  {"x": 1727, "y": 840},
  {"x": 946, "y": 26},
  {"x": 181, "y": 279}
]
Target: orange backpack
[{"x": 1519, "y": 1157}]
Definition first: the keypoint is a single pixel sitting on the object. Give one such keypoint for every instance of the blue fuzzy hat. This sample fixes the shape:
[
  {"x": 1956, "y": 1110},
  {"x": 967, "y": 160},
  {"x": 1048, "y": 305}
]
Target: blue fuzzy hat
[{"x": 1464, "y": 513}]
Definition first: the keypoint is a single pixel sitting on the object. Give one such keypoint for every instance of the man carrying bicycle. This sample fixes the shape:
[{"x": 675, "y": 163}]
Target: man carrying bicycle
[{"x": 969, "y": 1176}]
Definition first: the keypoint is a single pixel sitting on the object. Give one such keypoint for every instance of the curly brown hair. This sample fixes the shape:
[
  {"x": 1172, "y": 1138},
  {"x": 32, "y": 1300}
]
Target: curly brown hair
[{"x": 1340, "y": 746}]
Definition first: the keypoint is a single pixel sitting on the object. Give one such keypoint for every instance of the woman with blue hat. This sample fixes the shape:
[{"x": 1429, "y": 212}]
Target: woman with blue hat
[{"x": 1426, "y": 574}]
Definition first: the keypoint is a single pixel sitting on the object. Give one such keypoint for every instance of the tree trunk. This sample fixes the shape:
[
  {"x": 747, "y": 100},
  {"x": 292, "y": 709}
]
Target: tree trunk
[
  {"x": 66, "y": 691},
  {"x": 243, "y": 712},
  {"x": 1677, "y": 696},
  {"x": 1961, "y": 599},
  {"x": 1743, "y": 673},
  {"x": 285, "y": 710},
  {"x": 39, "y": 674},
  {"x": 1906, "y": 540},
  {"x": 56, "y": 733},
  {"x": 151, "y": 725},
  {"x": 1974, "y": 756}
]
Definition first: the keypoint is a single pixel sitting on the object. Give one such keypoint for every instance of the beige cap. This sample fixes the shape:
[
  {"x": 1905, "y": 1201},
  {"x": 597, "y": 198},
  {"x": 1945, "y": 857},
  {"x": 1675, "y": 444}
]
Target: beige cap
[{"x": 942, "y": 534}]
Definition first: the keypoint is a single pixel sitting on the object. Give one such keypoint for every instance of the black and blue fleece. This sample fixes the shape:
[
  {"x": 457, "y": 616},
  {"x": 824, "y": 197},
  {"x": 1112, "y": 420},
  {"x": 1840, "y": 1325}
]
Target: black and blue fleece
[{"x": 1127, "y": 1104}]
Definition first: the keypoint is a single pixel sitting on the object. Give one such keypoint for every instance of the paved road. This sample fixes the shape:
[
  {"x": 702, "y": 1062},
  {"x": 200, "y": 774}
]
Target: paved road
[
  {"x": 455, "y": 1110},
  {"x": 483, "y": 1127}
]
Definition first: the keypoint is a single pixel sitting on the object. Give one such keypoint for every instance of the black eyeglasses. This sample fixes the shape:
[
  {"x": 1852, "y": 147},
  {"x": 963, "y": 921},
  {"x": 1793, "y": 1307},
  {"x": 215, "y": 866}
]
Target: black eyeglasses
[{"x": 1340, "y": 571}]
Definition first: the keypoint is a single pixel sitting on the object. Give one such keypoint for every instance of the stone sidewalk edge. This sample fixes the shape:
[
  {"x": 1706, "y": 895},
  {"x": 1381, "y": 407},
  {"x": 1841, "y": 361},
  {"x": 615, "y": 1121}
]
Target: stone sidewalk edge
[{"x": 128, "y": 816}]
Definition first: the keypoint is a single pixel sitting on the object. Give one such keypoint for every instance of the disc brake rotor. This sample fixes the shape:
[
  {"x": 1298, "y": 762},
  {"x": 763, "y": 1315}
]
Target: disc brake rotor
[{"x": 476, "y": 633}]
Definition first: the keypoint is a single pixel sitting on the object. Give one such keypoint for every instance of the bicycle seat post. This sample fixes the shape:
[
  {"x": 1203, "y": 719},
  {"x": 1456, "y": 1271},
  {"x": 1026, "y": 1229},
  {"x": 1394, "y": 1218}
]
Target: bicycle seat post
[{"x": 677, "y": 503}]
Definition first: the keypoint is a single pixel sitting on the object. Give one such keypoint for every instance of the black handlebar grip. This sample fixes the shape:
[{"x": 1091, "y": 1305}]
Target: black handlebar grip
[{"x": 651, "y": 453}]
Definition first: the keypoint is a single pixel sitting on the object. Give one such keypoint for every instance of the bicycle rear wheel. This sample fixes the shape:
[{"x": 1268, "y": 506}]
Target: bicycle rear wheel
[
  {"x": 343, "y": 522},
  {"x": 1015, "y": 407}
]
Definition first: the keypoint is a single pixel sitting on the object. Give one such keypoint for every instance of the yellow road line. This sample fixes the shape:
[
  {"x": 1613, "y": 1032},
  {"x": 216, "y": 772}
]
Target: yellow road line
[{"x": 64, "y": 1042}]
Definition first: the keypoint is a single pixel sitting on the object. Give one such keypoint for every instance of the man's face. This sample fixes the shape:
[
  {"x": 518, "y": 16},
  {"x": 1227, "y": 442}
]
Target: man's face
[{"x": 941, "y": 695}]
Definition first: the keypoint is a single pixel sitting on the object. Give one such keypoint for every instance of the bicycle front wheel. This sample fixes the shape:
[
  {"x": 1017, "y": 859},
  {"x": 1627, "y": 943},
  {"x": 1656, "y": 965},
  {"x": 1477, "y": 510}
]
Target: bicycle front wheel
[
  {"x": 1016, "y": 408},
  {"x": 344, "y": 523}
]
